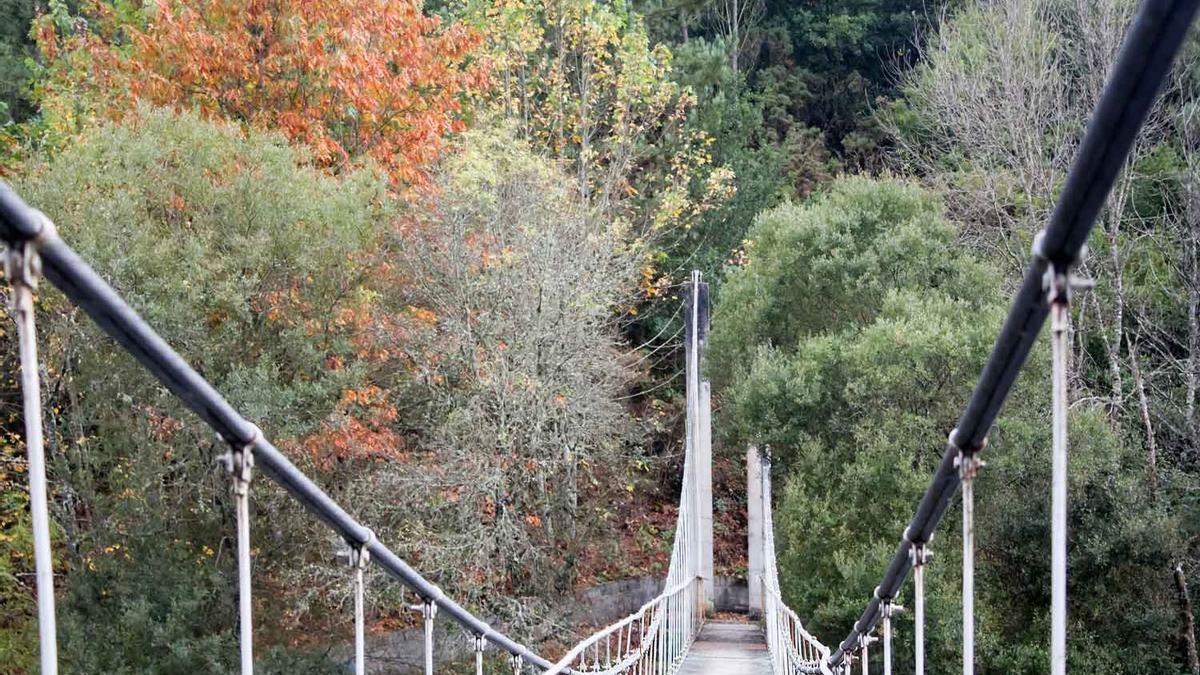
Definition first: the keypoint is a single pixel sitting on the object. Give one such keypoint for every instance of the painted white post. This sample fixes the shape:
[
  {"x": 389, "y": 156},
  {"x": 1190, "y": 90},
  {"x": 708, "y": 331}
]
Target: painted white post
[
  {"x": 705, "y": 492},
  {"x": 754, "y": 527},
  {"x": 1060, "y": 323},
  {"x": 699, "y": 435}
]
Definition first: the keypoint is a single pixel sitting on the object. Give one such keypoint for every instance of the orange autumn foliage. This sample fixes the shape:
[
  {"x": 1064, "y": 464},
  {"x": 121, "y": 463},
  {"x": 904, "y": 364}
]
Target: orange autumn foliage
[
  {"x": 349, "y": 78},
  {"x": 363, "y": 423},
  {"x": 363, "y": 430}
]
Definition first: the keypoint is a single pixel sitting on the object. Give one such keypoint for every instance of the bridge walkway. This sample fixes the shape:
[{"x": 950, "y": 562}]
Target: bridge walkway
[{"x": 728, "y": 649}]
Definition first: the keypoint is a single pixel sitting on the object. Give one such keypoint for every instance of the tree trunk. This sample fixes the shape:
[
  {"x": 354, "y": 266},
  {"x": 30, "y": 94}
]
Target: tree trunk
[
  {"x": 1192, "y": 262},
  {"x": 1144, "y": 408},
  {"x": 1188, "y": 624},
  {"x": 1118, "y": 306}
]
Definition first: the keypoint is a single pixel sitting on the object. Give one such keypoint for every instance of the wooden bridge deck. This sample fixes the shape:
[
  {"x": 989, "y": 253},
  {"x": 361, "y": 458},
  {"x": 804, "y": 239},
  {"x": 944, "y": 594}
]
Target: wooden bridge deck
[{"x": 728, "y": 649}]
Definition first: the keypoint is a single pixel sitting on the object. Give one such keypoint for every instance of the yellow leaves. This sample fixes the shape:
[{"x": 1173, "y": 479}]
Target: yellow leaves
[{"x": 533, "y": 520}]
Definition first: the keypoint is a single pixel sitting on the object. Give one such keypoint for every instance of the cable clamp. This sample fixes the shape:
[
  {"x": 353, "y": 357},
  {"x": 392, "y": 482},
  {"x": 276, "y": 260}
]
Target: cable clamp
[
  {"x": 919, "y": 554},
  {"x": 967, "y": 462},
  {"x": 427, "y": 608},
  {"x": 23, "y": 265},
  {"x": 239, "y": 463},
  {"x": 22, "y": 268},
  {"x": 1059, "y": 282},
  {"x": 1038, "y": 250},
  {"x": 952, "y": 441},
  {"x": 358, "y": 554},
  {"x": 45, "y": 235}
]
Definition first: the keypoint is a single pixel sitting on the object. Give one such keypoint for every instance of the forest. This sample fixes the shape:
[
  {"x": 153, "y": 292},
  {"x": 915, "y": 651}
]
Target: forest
[{"x": 439, "y": 249}]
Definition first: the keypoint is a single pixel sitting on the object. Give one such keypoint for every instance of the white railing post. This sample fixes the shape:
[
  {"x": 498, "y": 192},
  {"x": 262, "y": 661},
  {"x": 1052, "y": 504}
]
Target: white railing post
[
  {"x": 754, "y": 528},
  {"x": 699, "y": 443},
  {"x": 704, "y": 494},
  {"x": 1058, "y": 289},
  {"x": 358, "y": 556},
  {"x": 890, "y": 609},
  {"x": 21, "y": 269},
  {"x": 968, "y": 466},
  {"x": 428, "y": 612},
  {"x": 239, "y": 464},
  {"x": 920, "y": 556}
]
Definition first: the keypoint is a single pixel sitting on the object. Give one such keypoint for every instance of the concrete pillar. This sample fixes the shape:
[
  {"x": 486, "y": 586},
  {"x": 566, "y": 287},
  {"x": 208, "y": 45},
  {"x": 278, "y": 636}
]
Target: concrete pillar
[
  {"x": 704, "y": 490},
  {"x": 699, "y": 431},
  {"x": 754, "y": 528}
]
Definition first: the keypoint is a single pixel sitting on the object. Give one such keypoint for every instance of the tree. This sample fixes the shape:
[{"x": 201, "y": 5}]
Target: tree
[
  {"x": 15, "y": 47},
  {"x": 839, "y": 255},
  {"x": 736, "y": 21},
  {"x": 519, "y": 368},
  {"x": 861, "y": 328},
  {"x": 349, "y": 78},
  {"x": 267, "y": 275},
  {"x": 830, "y": 65},
  {"x": 585, "y": 85},
  {"x": 965, "y": 126}
]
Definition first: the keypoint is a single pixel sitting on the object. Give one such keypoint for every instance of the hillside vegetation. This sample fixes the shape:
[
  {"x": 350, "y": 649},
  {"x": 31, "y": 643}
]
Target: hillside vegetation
[{"x": 437, "y": 250}]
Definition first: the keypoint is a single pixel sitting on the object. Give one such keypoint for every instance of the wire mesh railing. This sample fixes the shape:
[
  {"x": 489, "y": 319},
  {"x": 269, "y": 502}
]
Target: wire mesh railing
[
  {"x": 33, "y": 249},
  {"x": 793, "y": 649}
]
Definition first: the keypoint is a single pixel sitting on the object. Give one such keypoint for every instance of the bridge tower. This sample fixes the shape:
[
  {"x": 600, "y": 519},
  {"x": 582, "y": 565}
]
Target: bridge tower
[{"x": 699, "y": 425}]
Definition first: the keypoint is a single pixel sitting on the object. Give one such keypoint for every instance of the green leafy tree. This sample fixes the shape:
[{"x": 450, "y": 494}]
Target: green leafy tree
[
  {"x": 847, "y": 345},
  {"x": 965, "y": 127},
  {"x": 255, "y": 266},
  {"x": 521, "y": 368},
  {"x": 16, "y": 48}
]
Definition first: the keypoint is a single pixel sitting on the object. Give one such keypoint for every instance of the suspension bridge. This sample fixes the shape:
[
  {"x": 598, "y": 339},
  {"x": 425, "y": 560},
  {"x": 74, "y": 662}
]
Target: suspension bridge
[{"x": 671, "y": 633}]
